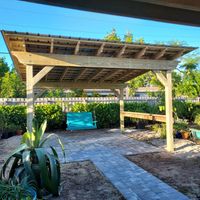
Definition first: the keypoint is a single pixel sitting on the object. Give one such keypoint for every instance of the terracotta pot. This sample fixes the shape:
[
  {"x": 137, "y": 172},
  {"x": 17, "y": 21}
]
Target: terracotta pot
[
  {"x": 185, "y": 135},
  {"x": 19, "y": 132}
]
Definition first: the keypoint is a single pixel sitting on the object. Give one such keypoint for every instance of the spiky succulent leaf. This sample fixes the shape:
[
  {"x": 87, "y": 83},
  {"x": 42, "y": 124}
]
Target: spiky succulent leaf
[
  {"x": 5, "y": 165},
  {"x": 58, "y": 139}
]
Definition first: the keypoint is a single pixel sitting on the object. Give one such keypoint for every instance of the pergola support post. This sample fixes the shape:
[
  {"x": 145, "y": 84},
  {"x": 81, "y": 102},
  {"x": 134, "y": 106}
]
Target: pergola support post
[
  {"x": 167, "y": 82},
  {"x": 121, "y": 104},
  {"x": 29, "y": 96},
  {"x": 169, "y": 112}
]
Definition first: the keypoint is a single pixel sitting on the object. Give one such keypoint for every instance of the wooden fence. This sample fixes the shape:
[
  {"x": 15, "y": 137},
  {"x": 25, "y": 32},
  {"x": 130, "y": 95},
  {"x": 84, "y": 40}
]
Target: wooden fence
[
  {"x": 66, "y": 102},
  {"x": 73, "y": 100}
]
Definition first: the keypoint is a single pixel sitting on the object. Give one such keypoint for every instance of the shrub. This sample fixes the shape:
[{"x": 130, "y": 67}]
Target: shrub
[
  {"x": 107, "y": 115},
  {"x": 161, "y": 129},
  {"x": 13, "y": 115},
  {"x": 16, "y": 116},
  {"x": 52, "y": 113},
  {"x": 197, "y": 119},
  {"x": 12, "y": 191}
]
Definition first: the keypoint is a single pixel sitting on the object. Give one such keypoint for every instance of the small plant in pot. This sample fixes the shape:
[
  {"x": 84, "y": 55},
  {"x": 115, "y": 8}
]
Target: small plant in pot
[
  {"x": 140, "y": 124},
  {"x": 32, "y": 160},
  {"x": 180, "y": 128},
  {"x": 19, "y": 130}
]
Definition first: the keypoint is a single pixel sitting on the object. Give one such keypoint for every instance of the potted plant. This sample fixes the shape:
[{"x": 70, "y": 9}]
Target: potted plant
[
  {"x": 185, "y": 134},
  {"x": 19, "y": 130},
  {"x": 180, "y": 129},
  {"x": 32, "y": 160},
  {"x": 140, "y": 124}
]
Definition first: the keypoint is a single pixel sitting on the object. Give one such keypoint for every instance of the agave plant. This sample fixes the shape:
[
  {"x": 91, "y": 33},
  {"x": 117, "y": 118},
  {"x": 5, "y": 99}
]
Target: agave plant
[{"x": 32, "y": 160}]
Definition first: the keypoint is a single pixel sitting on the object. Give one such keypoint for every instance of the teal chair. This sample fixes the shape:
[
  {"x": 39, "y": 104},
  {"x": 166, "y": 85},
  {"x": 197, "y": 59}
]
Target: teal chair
[{"x": 80, "y": 121}]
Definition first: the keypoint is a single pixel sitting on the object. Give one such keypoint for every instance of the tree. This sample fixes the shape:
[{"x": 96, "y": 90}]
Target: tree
[
  {"x": 190, "y": 77},
  {"x": 12, "y": 86},
  {"x": 112, "y": 36},
  {"x": 3, "y": 67},
  {"x": 128, "y": 37},
  {"x": 140, "y": 40}
]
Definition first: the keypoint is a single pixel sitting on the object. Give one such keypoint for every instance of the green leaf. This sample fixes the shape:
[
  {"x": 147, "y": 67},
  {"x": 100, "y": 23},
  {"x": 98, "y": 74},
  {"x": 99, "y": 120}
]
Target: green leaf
[
  {"x": 58, "y": 139},
  {"x": 26, "y": 159},
  {"x": 17, "y": 150},
  {"x": 55, "y": 177}
]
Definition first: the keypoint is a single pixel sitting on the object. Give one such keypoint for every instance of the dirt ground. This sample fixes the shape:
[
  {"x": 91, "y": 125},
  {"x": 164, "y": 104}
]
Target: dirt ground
[{"x": 82, "y": 181}]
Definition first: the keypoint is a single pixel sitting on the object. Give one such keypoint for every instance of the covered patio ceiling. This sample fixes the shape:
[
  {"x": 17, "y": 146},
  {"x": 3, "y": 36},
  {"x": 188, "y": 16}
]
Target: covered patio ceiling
[
  {"x": 87, "y": 63},
  {"x": 173, "y": 11}
]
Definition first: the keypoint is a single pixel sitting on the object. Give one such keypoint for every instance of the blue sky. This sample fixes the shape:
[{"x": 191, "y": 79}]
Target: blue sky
[{"x": 28, "y": 17}]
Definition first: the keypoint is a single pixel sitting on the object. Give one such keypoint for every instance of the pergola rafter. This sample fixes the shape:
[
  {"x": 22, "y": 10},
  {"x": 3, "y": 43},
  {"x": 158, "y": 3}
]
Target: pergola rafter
[{"x": 46, "y": 61}]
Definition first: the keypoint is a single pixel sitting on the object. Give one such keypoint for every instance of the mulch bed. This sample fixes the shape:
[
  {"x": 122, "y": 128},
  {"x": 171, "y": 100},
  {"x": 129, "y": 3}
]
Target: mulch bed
[
  {"x": 182, "y": 174},
  {"x": 82, "y": 181}
]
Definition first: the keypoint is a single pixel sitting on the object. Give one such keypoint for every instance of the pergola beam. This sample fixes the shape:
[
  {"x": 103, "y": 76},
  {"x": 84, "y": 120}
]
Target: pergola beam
[
  {"x": 161, "y": 77},
  {"x": 140, "y": 53},
  {"x": 64, "y": 73},
  {"x": 159, "y": 54},
  {"x": 79, "y": 85},
  {"x": 52, "y": 46},
  {"x": 80, "y": 74},
  {"x": 122, "y": 51},
  {"x": 100, "y": 50},
  {"x": 41, "y": 59},
  {"x": 41, "y": 74},
  {"x": 77, "y": 48},
  {"x": 96, "y": 75},
  {"x": 109, "y": 75}
]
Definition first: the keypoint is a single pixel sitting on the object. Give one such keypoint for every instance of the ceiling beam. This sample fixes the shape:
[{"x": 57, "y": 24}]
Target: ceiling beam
[
  {"x": 79, "y": 85},
  {"x": 52, "y": 47},
  {"x": 80, "y": 74},
  {"x": 179, "y": 54},
  {"x": 140, "y": 53},
  {"x": 77, "y": 48},
  {"x": 109, "y": 75},
  {"x": 172, "y": 11},
  {"x": 160, "y": 54},
  {"x": 122, "y": 51},
  {"x": 96, "y": 75},
  {"x": 41, "y": 74},
  {"x": 100, "y": 50},
  {"x": 42, "y": 59},
  {"x": 63, "y": 74}
]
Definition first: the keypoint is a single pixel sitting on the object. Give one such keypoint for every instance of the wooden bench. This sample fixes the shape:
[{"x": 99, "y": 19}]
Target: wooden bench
[{"x": 80, "y": 121}]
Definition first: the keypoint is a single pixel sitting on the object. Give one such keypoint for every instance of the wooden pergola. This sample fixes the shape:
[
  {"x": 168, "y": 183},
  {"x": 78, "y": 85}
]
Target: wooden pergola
[{"x": 47, "y": 61}]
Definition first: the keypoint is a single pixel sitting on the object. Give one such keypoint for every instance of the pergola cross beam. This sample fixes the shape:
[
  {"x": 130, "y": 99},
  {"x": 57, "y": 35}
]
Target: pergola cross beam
[{"x": 43, "y": 72}]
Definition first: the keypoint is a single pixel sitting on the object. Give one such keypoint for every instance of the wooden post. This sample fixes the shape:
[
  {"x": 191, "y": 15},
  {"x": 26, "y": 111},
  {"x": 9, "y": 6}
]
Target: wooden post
[
  {"x": 121, "y": 104},
  {"x": 29, "y": 96},
  {"x": 167, "y": 82},
  {"x": 169, "y": 112}
]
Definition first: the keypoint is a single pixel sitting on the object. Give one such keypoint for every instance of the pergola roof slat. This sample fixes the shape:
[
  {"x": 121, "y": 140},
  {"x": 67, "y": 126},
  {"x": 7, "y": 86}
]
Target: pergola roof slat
[{"x": 89, "y": 60}]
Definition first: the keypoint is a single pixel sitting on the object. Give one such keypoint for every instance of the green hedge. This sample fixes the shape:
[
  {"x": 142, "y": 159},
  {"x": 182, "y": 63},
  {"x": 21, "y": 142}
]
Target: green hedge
[
  {"x": 17, "y": 115},
  {"x": 186, "y": 110},
  {"x": 107, "y": 115}
]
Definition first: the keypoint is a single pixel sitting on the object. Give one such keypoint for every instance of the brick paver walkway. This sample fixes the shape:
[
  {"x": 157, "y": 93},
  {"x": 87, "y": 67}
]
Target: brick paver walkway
[{"x": 107, "y": 151}]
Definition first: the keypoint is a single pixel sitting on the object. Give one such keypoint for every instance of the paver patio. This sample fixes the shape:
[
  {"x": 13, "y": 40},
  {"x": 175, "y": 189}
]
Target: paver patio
[{"x": 106, "y": 149}]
